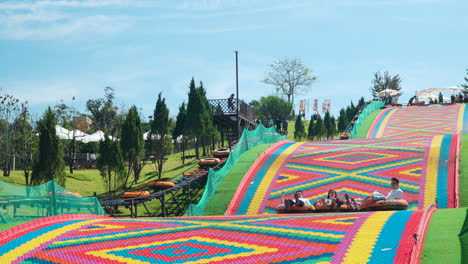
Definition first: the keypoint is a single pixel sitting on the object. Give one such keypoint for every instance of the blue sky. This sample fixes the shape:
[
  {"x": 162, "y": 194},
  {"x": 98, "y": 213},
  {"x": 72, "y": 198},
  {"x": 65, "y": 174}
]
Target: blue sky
[{"x": 53, "y": 50}]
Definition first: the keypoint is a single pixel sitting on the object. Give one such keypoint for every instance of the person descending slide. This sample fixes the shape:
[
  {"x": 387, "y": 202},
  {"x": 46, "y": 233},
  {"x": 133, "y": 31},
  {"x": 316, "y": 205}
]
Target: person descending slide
[
  {"x": 299, "y": 200},
  {"x": 332, "y": 200},
  {"x": 395, "y": 194}
]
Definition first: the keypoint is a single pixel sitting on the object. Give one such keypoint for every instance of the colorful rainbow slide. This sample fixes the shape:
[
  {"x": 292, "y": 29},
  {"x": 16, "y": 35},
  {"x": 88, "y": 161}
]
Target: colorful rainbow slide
[
  {"x": 426, "y": 168},
  {"x": 403, "y": 143}
]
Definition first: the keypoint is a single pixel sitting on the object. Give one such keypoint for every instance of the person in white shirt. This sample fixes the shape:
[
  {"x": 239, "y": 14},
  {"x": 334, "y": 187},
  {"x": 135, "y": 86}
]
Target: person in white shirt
[
  {"x": 396, "y": 193},
  {"x": 298, "y": 200}
]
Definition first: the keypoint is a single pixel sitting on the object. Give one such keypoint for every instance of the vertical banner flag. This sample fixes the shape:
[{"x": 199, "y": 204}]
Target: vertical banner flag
[{"x": 326, "y": 106}]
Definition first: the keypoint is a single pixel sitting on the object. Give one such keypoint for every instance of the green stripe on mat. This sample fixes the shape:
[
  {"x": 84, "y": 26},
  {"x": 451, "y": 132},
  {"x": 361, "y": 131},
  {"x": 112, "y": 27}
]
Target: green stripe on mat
[
  {"x": 228, "y": 186},
  {"x": 441, "y": 244},
  {"x": 365, "y": 126},
  {"x": 464, "y": 172}
]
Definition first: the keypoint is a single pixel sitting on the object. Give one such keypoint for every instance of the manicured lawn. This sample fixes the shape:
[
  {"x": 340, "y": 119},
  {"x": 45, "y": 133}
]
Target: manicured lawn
[
  {"x": 87, "y": 182},
  {"x": 441, "y": 244}
]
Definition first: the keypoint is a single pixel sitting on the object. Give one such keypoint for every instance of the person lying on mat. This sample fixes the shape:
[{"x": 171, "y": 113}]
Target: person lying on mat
[
  {"x": 299, "y": 200},
  {"x": 396, "y": 193},
  {"x": 331, "y": 201}
]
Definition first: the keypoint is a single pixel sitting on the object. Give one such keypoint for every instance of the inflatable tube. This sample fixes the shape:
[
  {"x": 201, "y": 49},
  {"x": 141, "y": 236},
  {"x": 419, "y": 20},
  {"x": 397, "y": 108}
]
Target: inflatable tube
[
  {"x": 209, "y": 162},
  {"x": 344, "y": 136},
  {"x": 387, "y": 205},
  {"x": 135, "y": 194},
  {"x": 221, "y": 153},
  {"x": 321, "y": 208},
  {"x": 295, "y": 209},
  {"x": 161, "y": 184}
]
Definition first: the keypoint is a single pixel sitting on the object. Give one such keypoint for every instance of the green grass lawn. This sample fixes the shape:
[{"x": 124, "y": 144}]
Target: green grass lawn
[
  {"x": 87, "y": 182},
  {"x": 441, "y": 244}
]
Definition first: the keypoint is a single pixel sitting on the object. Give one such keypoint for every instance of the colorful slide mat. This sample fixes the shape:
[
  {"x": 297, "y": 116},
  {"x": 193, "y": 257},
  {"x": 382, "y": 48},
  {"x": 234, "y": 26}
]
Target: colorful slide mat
[
  {"x": 371, "y": 237},
  {"x": 420, "y": 121},
  {"x": 426, "y": 168}
]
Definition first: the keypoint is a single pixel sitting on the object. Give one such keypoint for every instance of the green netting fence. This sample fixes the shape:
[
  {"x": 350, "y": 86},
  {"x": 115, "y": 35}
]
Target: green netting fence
[
  {"x": 368, "y": 108},
  {"x": 249, "y": 140},
  {"x": 24, "y": 203}
]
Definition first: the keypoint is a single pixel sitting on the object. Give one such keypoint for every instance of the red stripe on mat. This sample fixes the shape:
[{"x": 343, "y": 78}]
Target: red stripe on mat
[{"x": 20, "y": 230}]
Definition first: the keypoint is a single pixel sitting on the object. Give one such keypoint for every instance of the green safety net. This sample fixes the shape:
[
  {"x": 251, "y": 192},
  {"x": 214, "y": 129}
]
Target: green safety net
[
  {"x": 369, "y": 108},
  {"x": 24, "y": 203},
  {"x": 248, "y": 140}
]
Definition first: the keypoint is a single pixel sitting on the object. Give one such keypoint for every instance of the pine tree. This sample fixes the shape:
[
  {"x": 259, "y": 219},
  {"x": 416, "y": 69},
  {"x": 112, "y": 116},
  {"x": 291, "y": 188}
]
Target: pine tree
[
  {"x": 333, "y": 126},
  {"x": 319, "y": 128},
  {"x": 179, "y": 128},
  {"x": 161, "y": 143},
  {"x": 49, "y": 164},
  {"x": 342, "y": 120},
  {"x": 132, "y": 143},
  {"x": 208, "y": 128},
  {"x": 327, "y": 125},
  {"x": 311, "y": 129},
  {"x": 299, "y": 129},
  {"x": 193, "y": 122},
  {"x": 110, "y": 164}
]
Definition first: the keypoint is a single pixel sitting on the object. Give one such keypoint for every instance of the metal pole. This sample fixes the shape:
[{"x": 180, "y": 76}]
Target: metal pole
[{"x": 237, "y": 95}]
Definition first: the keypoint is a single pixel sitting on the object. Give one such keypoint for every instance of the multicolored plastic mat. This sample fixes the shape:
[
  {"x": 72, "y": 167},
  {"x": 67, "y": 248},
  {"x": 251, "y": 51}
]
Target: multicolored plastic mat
[
  {"x": 383, "y": 237},
  {"x": 426, "y": 168},
  {"x": 420, "y": 121}
]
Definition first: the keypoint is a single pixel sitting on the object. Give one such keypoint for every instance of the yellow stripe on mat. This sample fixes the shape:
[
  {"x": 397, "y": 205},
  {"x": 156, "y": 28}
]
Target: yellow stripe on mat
[
  {"x": 44, "y": 238},
  {"x": 432, "y": 167},
  {"x": 384, "y": 123},
  {"x": 364, "y": 241},
  {"x": 268, "y": 178}
]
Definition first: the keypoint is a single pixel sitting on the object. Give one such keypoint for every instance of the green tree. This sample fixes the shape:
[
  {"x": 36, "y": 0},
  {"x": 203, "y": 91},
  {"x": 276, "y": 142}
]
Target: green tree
[
  {"x": 131, "y": 143},
  {"x": 179, "y": 130},
  {"x": 272, "y": 107},
  {"x": 24, "y": 142},
  {"x": 207, "y": 127},
  {"x": 361, "y": 103},
  {"x": 291, "y": 77},
  {"x": 49, "y": 163},
  {"x": 383, "y": 82},
  {"x": 342, "y": 120},
  {"x": 465, "y": 85},
  {"x": 9, "y": 111},
  {"x": 299, "y": 131},
  {"x": 111, "y": 165},
  {"x": 104, "y": 113},
  {"x": 327, "y": 125},
  {"x": 193, "y": 122},
  {"x": 311, "y": 129},
  {"x": 319, "y": 128},
  {"x": 160, "y": 141},
  {"x": 333, "y": 126},
  {"x": 64, "y": 114}
]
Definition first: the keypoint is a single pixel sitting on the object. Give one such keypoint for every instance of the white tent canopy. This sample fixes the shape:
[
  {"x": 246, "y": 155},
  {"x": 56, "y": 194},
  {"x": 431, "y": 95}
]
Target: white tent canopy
[
  {"x": 95, "y": 137},
  {"x": 64, "y": 133}
]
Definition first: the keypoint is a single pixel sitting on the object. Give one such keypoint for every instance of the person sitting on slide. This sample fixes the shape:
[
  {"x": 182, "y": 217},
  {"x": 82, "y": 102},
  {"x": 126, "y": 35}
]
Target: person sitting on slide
[
  {"x": 331, "y": 201},
  {"x": 396, "y": 193},
  {"x": 299, "y": 200}
]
